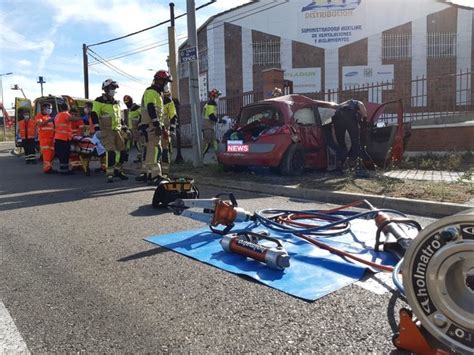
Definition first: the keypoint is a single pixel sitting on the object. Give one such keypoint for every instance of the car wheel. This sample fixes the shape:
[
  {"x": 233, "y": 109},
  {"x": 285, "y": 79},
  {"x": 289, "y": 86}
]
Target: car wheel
[{"x": 292, "y": 163}]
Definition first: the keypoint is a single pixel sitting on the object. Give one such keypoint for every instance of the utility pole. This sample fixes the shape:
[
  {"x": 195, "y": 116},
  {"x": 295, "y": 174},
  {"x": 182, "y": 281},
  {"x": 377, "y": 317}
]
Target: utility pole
[
  {"x": 194, "y": 85},
  {"x": 41, "y": 81},
  {"x": 86, "y": 70},
  {"x": 175, "y": 83}
]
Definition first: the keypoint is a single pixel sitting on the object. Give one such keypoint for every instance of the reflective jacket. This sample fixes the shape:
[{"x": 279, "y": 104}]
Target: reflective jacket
[
  {"x": 152, "y": 106},
  {"x": 209, "y": 111},
  {"x": 77, "y": 128},
  {"x": 62, "y": 123},
  {"x": 27, "y": 129},
  {"x": 46, "y": 131},
  {"x": 134, "y": 115},
  {"x": 108, "y": 113},
  {"x": 169, "y": 111}
]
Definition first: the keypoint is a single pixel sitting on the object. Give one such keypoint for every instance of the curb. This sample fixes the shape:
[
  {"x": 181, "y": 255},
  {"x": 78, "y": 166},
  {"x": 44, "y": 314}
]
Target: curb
[{"x": 409, "y": 206}]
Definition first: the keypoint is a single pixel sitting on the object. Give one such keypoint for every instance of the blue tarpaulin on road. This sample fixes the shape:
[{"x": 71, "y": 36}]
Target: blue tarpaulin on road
[{"x": 313, "y": 272}]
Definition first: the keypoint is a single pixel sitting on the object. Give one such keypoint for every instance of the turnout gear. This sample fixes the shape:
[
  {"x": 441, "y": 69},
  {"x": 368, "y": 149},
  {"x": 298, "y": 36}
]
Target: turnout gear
[
  {"x": 106, "y": 117},
  {"x": 169, "y": 123},
  {"x": 27, "y": 133},
  {"x": 209, "y": 122},
  {"x": 45, "y": 125},
  {"x": 150, "y": 126}
]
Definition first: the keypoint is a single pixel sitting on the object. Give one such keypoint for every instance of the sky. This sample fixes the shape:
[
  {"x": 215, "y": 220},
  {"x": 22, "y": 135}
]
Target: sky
[{"x": 45, "y": 37}]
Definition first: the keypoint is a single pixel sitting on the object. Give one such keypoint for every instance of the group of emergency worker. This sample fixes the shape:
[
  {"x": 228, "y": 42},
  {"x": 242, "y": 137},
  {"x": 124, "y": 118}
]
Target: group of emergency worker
[{"x": 148, "y": 127}]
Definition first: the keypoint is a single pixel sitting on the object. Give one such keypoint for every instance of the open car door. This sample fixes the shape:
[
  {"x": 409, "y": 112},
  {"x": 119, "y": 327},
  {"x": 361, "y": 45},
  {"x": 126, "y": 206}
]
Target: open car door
[{"x": 21, "y": 102}]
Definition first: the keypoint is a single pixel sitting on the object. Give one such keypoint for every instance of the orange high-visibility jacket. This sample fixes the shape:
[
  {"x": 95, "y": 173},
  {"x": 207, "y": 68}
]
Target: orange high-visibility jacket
[
  {"x": 27, "y": 129},
  {"x": 46, "y": 131},
  {"x": 63, "y": 126},
  {"x": 76, "y": 128}
]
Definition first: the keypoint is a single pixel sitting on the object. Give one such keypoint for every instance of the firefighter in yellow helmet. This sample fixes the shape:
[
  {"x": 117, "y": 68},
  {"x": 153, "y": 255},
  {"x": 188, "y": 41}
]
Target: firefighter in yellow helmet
[
  {"x": 106, "y": 118},
  {"x": 210, "y": 119},
  {"x": 151, "y": 127},
  {"x": 169, "y": 125}
]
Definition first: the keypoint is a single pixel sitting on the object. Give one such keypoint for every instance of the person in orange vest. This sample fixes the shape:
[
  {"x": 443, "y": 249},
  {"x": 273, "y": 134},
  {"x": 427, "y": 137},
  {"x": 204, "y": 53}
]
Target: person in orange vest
[
  {"x": 77, "y": 131},
  {"x": 45, "y": 126},
  {"x": 27, "y": 133},
  {"x": 62, "y": 137}
]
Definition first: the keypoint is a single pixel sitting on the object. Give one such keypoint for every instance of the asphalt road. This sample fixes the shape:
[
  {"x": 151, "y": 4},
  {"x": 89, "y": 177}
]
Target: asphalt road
[{"x": 76, "y": 275}]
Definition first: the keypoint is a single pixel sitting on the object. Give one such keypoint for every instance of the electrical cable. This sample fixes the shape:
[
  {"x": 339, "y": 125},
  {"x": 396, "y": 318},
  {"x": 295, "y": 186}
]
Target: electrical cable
[
  {"x": 114, "y": 68},
  {"x": 149, "y": 28},
  {"x": 396, "y": 277}
]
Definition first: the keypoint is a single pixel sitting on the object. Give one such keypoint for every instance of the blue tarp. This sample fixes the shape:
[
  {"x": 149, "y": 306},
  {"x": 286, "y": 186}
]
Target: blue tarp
[{"x": 313, "y": 272}]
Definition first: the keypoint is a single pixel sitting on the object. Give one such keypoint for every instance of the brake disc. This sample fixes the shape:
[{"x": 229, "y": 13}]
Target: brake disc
[{"x": 438, "y": 276}]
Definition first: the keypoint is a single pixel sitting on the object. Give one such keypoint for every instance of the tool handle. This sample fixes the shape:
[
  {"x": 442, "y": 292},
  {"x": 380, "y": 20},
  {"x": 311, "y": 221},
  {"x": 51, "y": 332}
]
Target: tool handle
[{"x": 260, "y": 236}]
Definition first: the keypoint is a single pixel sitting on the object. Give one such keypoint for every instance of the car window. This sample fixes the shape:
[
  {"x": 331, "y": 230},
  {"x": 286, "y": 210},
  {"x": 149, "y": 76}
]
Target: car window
[
  {"x": 305, "y": 116},
  {"x": 264, "y": 115},
  {"x": 326, "y": 114}
]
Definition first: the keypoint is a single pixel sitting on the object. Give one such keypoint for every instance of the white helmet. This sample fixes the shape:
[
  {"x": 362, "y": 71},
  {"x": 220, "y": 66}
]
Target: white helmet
[{"x": 109, "y": 84}]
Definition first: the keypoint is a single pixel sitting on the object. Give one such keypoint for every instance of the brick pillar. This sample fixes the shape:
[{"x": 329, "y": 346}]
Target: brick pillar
[{"x": 272, "y": 78}]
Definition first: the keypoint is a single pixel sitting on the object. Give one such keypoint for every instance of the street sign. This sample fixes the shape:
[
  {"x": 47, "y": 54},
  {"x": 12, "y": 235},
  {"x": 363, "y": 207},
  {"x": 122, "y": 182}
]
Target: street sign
[{"x": 187, "y": 55}]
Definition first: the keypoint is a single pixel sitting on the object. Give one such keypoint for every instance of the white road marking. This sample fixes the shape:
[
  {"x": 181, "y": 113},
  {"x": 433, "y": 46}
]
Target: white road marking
[{"x": 11, "y": 341}]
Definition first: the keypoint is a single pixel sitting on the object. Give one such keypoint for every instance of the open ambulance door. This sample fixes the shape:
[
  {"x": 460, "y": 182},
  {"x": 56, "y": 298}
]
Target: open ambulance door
[{"x": 21, "y": 102}]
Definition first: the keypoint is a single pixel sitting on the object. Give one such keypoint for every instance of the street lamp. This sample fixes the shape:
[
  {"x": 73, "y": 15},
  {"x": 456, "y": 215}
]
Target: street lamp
[
  {"x": 17, "y": 87},
  {"x": 3, "y": 105},
  {"x": 41, "y": 81},
  {"x": 1, "y": 82}
]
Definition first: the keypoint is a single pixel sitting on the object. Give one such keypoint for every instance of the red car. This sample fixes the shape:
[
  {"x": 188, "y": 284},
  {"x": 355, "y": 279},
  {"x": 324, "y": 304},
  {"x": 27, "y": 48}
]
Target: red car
[{"x": 286, "y": 134}]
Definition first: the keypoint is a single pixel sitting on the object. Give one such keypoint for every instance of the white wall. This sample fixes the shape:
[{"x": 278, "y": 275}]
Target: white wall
[
  {"x": 247, "y": 60},
  {"x": 216, "y": 58},
  {"x": 463, "y": 55},
  {"x": 418, "y": 61}
]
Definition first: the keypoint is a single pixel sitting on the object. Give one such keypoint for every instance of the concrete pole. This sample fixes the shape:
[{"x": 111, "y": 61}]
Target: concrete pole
[
  {"x": 175, "y": 84},
  {"x": 194, "y": 86}
]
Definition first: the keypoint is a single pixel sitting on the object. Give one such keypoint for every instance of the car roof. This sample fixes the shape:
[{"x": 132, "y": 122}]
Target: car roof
[{"x": 295, "y": 101}]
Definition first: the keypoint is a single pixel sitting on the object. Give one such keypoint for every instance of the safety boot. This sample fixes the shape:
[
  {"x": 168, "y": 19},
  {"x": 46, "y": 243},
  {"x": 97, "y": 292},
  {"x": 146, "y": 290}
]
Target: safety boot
[
  {"x": 141, "y": 177},
  {"x": 120, "y": 175}
]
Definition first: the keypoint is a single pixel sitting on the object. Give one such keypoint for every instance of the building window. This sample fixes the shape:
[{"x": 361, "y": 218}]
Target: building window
[
  {"x": 441, "y": 44},
  {"x": 265, "y": 53},
  {"x": 396, "y": 46},
  {"x": 203, "y": 64}
]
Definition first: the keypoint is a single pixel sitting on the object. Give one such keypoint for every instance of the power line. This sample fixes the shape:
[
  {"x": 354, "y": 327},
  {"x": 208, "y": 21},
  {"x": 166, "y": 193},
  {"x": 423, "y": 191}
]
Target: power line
[
  {"x": 114, "y": 68},
  {"x": 139, "y": 50},
  {"x": 149, "y": 28}
]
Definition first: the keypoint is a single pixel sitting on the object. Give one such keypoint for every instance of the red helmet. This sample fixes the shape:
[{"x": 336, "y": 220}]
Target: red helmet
[
  {"x": 164, "y": 75},
  {"x": 127, "y": 98},
  {"x": 214, "y": 94}
]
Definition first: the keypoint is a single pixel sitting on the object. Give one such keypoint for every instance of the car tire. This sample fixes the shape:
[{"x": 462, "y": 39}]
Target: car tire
[{"x": 292, "y": 163}]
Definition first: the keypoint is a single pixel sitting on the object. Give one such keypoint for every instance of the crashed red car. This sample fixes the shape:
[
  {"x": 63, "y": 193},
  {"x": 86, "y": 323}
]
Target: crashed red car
[{"x": 286, "y": 134}]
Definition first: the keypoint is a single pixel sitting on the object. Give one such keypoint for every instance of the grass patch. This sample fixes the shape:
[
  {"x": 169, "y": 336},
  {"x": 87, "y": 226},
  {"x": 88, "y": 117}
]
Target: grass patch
[
  {"x": 10, "y": 135},
  {"x": 448, "y": 162},
  {"x": 455, "y": 192}
]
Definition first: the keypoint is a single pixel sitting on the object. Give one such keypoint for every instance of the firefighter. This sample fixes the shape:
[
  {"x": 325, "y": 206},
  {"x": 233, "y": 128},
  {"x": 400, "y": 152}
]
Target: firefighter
[
  {"x": 351, "y": 117},
  {"x": 106, "y": 118},
  {"x": 27, "y": 133},
  {"x": 169, "y": 125},
  {"x": 91, "y": 132},
  {"x": 209, "y": 121},
  {"x": 151, "y": 126},
  {"x": 62, "y": 137},
  {"x": 45, "y": 126},
  {"x": 134, "y": 117}
]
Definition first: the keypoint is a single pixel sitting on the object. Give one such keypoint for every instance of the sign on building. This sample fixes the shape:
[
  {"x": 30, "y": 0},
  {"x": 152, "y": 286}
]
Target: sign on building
[
  {"x": 305, "y": 80},
  {"x": 363, "y": 75},
  {"x": 187, "y": 55}
]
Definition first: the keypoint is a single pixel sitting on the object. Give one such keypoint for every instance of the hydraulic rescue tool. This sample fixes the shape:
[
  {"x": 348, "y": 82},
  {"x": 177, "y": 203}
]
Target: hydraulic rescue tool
[
  {"x": 246, "y": 243},
  {"x": 168, "y": 190},
  {"x": 438, "y": 278},
  {"x": 215, "y": 211},
  {"x": 390, "y": 227}
]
